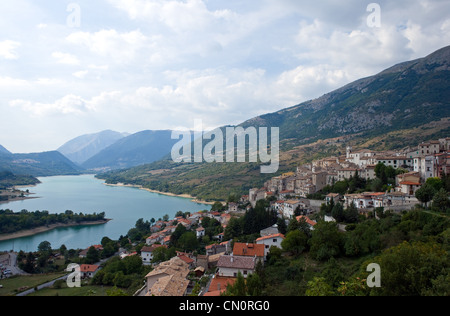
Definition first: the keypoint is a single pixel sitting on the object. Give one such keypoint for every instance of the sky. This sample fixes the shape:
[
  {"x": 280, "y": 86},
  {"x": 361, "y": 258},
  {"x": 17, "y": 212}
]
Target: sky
[{"x": 69, "y": 68}]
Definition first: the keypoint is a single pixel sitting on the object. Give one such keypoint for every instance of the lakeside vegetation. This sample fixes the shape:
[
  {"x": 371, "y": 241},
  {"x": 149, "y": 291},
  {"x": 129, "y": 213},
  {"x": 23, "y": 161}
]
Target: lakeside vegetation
[
  {"x": 9, "y": 179},
  {"x": 11, "y": 222}
]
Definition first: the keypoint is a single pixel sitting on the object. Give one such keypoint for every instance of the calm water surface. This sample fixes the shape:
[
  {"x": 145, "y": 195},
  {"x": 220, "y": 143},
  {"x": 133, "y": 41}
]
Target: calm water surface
[{"x": 88, "y": 195}]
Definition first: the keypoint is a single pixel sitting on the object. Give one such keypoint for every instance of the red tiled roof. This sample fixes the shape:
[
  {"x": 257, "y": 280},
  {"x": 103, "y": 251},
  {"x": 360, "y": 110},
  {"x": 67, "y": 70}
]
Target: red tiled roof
[
  {"x": 409, "y": 183},
  {"x": 270, "y": 237},
  {"x": 152, "y": 248},
  {"x": 88, "y": 268},
  {"x": 308, "y": 220},
  {"x": 219, "y": 285},
  {"x": 241, "y": 249},
  {"x": 186, "y": 259}
]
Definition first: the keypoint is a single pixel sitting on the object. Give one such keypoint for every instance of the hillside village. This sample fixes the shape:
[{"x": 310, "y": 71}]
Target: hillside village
[
  {"x": 430, "y": 159},
  {"x": 219, "y": 260},
  {"x": 225, "y": 259}
]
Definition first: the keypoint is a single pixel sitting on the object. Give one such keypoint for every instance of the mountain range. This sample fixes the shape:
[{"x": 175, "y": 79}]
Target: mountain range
[
  {"x": 399, "y": 107},
  {"x": 134, "y": 150},
  {"x": 407, "y": 95},
  {"x": 4, "y": 151},
  {"x": 84, "y": 147},
  {"x": 44, "y": 164}
]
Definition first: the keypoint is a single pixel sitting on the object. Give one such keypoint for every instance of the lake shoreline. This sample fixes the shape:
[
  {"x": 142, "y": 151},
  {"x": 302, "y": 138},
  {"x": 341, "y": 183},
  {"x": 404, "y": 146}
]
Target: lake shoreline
[
  {"x": 43, "y": 229},
  {"x": 22, "y": 198},
  {"x": 184, "y": 196}
]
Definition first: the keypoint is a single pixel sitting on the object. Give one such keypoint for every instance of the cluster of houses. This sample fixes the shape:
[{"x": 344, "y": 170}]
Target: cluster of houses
[
  {"x": 226, "y": 260},
  {"x": 162, "y": 230},
  {"x": 430, "y": 159},
  {"x": 170, "y": 278}
]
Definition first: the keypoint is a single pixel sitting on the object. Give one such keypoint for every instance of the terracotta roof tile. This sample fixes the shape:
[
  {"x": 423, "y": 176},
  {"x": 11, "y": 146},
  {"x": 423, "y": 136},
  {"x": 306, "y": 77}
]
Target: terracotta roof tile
[{"x": 241, "y": 249}]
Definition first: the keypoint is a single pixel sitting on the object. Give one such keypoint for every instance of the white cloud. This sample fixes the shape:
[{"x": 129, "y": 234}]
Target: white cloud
[
  {"x": 68, "y": 105},
  {"x": 66, "y": 59},
  {"x": 80, "y": 74},
  {"x": 8, "y": 49},
  {"x": 119, "y": 47},
  {"x": 161, "y": 64},
  {"x": 8, "y": 82}
]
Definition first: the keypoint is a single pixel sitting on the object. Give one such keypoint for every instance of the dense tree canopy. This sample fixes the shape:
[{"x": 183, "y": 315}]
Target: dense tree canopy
[{"x": 11, "y": 222}]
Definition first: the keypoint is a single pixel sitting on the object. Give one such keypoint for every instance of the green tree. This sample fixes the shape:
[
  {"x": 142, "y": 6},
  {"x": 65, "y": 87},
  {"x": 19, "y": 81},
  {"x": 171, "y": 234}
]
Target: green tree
[
  {"x": 333, "y": 273},
  {"x": 356, "y": 286},
  {"x": 325, "y": 241},
  {"x": 162, "y": 254},
  {"x": 410, "y": 269},
  {"x": 441, "y": 203},
  {"x": 364, "y": 239},
  {"x": 319, "y": 287},
  {"x": 425, "y": 194},
  {"x": 380, "y": 172},
  {"x": 239, "y": 287},
  {"x": 133, "y": 265},
  {"x": 295, "y": 242},
  {"x": 436, "y": 183},
  {"x": 45, "y": 247},
  {"x": 351, "y": 214},
  {"x": 92, "y": 255},
  {"x": 233, "y": 229},
  {"x": 188, "y": 241},
  {"x": 254, "y": 285},
  {"x": 116, "y": 292},
  {"x": 217, "y": 206},
  {"x": 63, "y": 250},
  {"x": 338, "y": 212},
  {"x": 282, "y": 228},
  {"x": 134, "y": 234},
  {"x": 293, "y": 225},
  {"x": 176, "y": 235},
  {"x": 29, "y": 263}
]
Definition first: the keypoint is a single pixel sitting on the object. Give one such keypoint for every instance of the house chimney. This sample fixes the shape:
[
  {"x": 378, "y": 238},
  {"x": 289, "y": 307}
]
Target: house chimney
[
  {"x": 218, "y": 286},
  {"x": 232, "y": 258}
]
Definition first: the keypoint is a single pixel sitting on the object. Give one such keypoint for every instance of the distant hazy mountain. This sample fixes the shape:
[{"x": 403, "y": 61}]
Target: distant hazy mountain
[
  {"x": 137, "y": 149},
  {"x": 84, "y": 147},
  {"x": 3, "y": 150},
  {"x": 38, "y": 164}
]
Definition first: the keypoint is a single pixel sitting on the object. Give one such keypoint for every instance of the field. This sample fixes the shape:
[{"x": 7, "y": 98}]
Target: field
[
  {"x": 90, "y": 290},
  {"x": 17, "y": 284}
]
